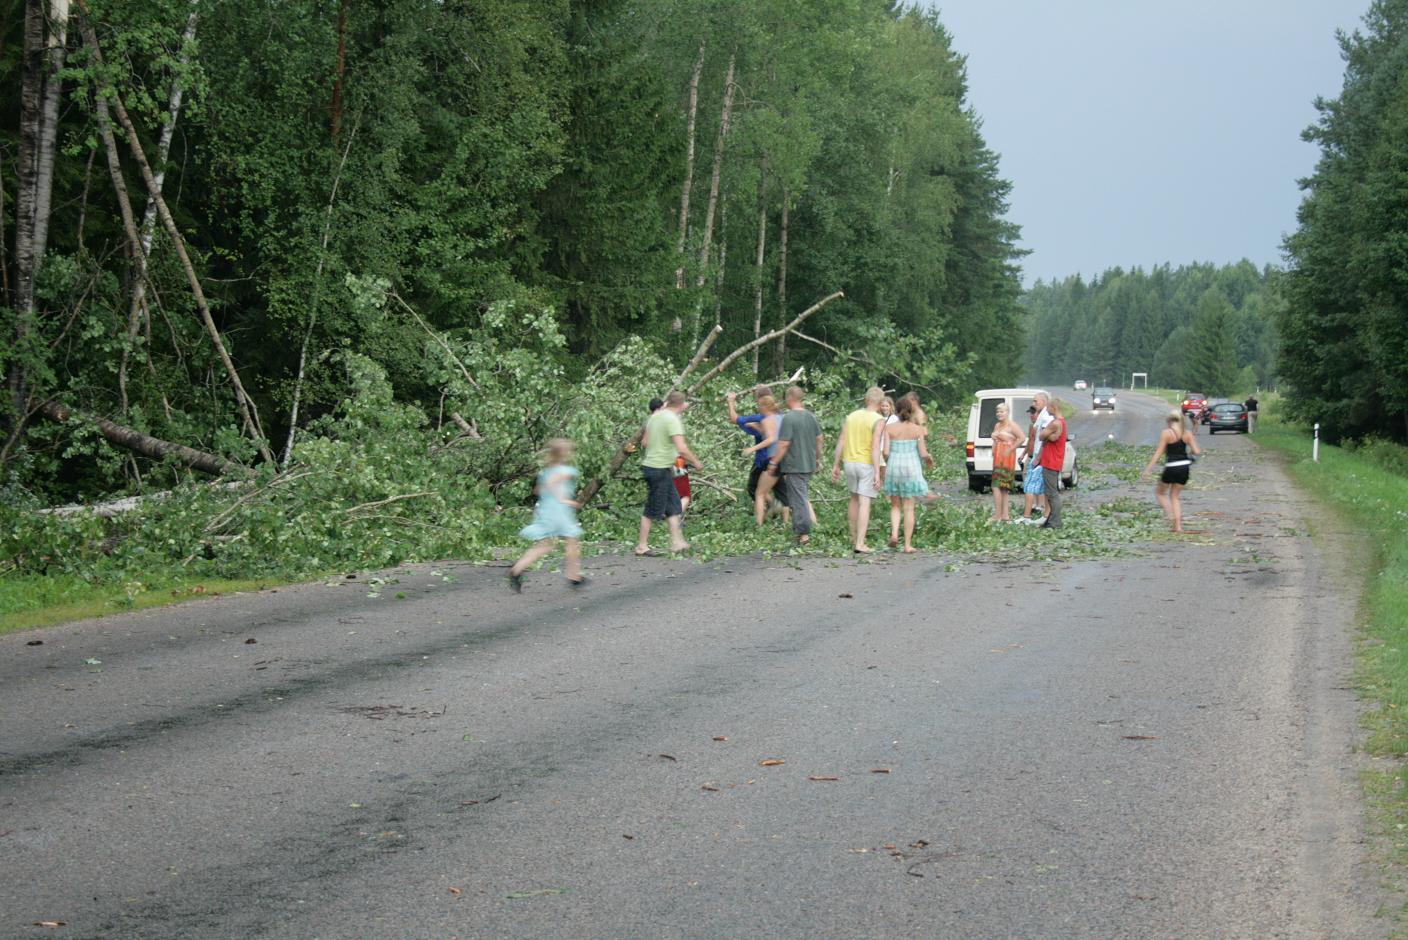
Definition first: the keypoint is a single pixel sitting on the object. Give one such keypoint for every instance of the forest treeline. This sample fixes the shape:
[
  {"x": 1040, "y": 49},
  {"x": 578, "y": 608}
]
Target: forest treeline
[
  {"x": 220, "y": 217},
  {"x": 1345, "y": 322},
  {"x": 1202, "y": 327}
]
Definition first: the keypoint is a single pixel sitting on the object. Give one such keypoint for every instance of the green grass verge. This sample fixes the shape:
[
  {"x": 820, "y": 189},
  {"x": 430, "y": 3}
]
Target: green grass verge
[
  {"x": 1374, "y": 499},
  {"x": 28, "y": 601}
]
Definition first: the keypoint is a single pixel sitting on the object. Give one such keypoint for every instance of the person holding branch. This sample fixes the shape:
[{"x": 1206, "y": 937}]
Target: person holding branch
[{"x": 664, "y": 442}]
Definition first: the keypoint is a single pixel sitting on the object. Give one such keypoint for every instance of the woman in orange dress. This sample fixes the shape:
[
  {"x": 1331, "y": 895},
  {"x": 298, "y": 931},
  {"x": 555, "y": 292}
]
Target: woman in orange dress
[{"x": 1006, "y": 435}]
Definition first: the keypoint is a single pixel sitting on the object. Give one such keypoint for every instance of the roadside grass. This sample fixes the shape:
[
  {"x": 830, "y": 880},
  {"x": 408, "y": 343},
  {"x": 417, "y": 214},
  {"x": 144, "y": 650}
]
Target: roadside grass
[
  {"x": 1374, "y": 498},
  {"x": 29, "y": 601}
]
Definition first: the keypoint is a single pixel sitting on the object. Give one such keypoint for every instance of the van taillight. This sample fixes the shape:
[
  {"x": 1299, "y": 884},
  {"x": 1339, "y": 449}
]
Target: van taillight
[{"x": 968, "y": 449}]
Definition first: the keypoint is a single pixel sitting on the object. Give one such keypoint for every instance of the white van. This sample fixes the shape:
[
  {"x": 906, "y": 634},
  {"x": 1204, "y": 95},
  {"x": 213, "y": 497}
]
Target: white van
[{"x": 982, "y": 416}]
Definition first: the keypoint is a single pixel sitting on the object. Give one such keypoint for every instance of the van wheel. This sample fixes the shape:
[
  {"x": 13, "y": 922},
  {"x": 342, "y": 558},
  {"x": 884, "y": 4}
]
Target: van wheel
[
  {"x": 1073, "y": 480},
  {"x": 977, "y": 483}
]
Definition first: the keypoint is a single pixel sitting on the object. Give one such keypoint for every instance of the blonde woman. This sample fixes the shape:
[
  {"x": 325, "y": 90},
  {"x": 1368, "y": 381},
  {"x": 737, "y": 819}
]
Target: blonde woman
[
  {"x": 767, "y": 480},
  {"x": 903, "y": 474},
  {"x": 1175, "y": 441},
  {"x": 1006, "y": 435}
]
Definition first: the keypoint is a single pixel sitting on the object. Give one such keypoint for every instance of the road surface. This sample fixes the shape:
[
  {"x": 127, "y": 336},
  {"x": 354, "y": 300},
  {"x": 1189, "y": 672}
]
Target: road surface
[{"x": 1151, "y": 746}]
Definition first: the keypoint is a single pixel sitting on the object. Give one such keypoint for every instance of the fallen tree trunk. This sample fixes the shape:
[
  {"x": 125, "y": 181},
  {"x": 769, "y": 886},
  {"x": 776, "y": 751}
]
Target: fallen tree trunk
[{"x": 141, "y": 443}]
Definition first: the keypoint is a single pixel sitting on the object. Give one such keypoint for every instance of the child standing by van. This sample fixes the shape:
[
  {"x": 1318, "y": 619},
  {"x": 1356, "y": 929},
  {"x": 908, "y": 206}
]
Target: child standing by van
[{"x": 555, "y": 516}]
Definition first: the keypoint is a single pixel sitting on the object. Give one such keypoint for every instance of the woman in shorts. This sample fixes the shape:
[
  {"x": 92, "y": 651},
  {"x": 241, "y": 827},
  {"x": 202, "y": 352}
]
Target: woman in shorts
[{"x": 1175, "y": 442}]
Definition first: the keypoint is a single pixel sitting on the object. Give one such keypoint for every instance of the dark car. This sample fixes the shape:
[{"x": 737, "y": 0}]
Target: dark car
[
  {"x": 1208, "y": 406},
  {"x": 1103, "y": 398},
  {"x": 1227, "y": 416}
]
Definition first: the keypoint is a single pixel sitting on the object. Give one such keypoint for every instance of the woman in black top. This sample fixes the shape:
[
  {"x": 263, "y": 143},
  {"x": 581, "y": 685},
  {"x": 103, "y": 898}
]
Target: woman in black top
[{"x": 1175, "y": 441}]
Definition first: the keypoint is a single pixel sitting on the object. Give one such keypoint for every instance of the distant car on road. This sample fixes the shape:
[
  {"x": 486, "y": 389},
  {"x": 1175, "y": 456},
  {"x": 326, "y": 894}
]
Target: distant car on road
[
  {"x": 1080, "y": 385},
  {"x": 1194, "y": 403},
  {"x": 1227, "y": 416},
  {"x": 982, "y": 416},
  {"x": 1205, "y": 415},
  {"x": 1103, "y": 398}
]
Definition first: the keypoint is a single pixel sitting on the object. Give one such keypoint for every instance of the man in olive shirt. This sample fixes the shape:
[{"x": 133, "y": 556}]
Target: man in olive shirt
[
  {"x": 664, "y": 441},
  {"x": 796, "y": 458}
]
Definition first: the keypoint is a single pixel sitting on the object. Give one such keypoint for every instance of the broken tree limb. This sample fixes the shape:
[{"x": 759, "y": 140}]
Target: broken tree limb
[
  {"x": 248, "y": 413},
  {"x": 732, "y": 357},
  {"x": 864, "y": 360},
  {"x": 438, "y": 339},
  {"x": 699, "y": 354},
  {"x": 629, "y": 446},
  {"x": 140, "y": 443}
]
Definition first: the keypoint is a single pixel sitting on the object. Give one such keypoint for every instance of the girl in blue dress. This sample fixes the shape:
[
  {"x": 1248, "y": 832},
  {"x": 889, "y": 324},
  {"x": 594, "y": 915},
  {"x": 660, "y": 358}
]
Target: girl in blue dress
[{"x": 555, "y": 516}]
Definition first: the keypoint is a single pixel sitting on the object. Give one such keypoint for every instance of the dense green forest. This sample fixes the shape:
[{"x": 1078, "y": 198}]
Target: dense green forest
[
  {"x": 225, "y": 220},
  {"x": 1199, "y": 326},
  {"x": 1345, "y": 323}
]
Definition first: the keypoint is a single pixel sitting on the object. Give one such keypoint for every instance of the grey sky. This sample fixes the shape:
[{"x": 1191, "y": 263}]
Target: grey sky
[{"x": 1137, "y": 132}]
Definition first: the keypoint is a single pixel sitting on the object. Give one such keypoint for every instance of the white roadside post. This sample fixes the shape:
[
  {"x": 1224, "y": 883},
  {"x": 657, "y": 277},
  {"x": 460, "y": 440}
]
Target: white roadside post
[{"x": 1315, "y": 448}]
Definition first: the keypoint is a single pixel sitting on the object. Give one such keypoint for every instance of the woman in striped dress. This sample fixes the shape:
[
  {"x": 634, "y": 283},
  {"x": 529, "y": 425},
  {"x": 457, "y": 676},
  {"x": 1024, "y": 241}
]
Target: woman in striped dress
[{"x": 902, "y": 477}]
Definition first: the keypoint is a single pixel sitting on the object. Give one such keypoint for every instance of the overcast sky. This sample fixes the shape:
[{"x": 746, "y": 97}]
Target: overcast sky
[{"x": 1137, "y": 132}]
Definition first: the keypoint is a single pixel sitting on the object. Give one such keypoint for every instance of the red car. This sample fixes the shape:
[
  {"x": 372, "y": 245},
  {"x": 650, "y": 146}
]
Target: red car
[{"x": 1194, "y": 404}]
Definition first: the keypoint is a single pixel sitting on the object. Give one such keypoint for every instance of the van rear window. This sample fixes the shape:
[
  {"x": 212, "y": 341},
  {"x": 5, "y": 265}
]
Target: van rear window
[{"x": 987, "y": 414}]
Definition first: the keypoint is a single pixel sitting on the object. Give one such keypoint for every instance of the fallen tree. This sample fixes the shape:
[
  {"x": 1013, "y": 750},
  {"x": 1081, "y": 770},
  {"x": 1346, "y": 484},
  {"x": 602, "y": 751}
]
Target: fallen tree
[
  {"x": 143, "y": 444},
  {"x": 629, "y": 445}
]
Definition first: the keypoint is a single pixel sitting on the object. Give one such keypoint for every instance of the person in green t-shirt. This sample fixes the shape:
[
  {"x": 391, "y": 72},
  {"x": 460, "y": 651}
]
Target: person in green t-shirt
[
  {"x": 796, "y": 458},
  {"x": 664, "y": 442}
]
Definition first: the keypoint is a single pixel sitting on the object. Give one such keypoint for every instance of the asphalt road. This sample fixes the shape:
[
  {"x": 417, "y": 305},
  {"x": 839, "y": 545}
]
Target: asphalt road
[{"x": 1151, "y": 746}]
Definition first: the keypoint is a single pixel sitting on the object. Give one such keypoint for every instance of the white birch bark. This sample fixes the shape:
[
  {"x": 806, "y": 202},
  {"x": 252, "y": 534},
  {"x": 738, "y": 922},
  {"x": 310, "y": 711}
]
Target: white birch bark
[
  {"x": 758, "y": 270},
  {"x": 707, "y": 242},
  {"x": 688, "y": 187}
]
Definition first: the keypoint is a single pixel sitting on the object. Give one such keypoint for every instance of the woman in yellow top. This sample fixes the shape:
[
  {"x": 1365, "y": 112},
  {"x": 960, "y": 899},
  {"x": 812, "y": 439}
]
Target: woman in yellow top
[{"x": 857, "y": 455}]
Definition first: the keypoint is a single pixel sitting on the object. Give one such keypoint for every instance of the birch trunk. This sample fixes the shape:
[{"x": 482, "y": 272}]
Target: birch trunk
[
  {"x": 723, "y": 262},
  {"x": 27, "y": 252},
  {"x": 758, "y": 268},
  {"x": 313, "y": 307},
  {"x": 725, "y": 118},
  {"x": 688, "y": 186},
  {"x": 248, "y": 413},
  {"x": 782, "y": 279},
  {"x": 56, "y": 49},
  {"x": 129, "y": 227},
  {"x": 137, "y": 311},
  {"x": 83, "y": 201}
]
